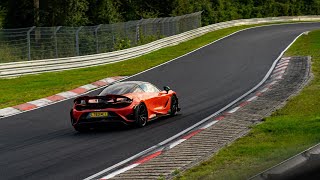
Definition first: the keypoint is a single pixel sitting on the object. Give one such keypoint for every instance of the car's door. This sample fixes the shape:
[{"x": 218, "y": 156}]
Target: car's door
[{"x": 157, "y": 100}]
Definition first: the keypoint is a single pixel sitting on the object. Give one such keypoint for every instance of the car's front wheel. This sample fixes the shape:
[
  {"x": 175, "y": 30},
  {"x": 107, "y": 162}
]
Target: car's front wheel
[
  {"x": 174, "y": 105},
  {"x": 141, "y": 115}
]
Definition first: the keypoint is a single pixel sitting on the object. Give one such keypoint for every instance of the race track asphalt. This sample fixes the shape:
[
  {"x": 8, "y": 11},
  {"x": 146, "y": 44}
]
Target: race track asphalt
[{"x": 41, "y": 144}]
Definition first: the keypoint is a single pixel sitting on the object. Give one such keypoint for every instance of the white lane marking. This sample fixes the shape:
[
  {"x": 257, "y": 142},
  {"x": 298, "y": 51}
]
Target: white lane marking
[
  {"x": 176, "y": 143},
  {"x": 40, "y": 102},
  {"x": 209, "y": 124},
  {"x": 120, "y": 171},
  {"x": 89, "y": 86},
  {"x": 252, "y": 98},
  {"x": 234, "y": 110},
  {"x": 8, "y": 111},
  {"x": 202, "y": 121}
]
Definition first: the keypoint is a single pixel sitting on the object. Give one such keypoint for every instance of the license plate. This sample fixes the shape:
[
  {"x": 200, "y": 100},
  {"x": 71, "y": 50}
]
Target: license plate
[{"x": 99, "y": 114}]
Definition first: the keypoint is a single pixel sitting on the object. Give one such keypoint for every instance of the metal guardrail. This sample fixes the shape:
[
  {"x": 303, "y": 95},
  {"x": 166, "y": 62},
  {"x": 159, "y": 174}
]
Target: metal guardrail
[
  {"x": 49, "y": 65},
  {"x": 34, "y": 43},
  {"x": 303, "y": 165}
]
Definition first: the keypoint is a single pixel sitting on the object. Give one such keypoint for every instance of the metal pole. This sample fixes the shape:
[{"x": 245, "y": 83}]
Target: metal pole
[
  {"x": 113, "y": 38},
  {"x": 200, "y": 18},
  {"x": 138, "y": 31},
  {"x": 96, "y": 35},
  {"x": 145, "y": 27},
  {"x": 56, "y": 40},
  {"x": 163, "y": 23},
  {"x": 77, "y": 40},
  {"x": 29, "y": 42}
]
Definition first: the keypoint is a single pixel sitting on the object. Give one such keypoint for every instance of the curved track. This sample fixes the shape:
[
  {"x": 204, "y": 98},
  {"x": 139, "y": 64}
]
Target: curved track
[{"x": 42, "y": 144}]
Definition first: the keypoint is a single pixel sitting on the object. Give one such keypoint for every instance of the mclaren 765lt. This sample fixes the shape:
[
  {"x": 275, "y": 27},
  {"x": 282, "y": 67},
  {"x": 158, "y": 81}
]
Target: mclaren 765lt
[{"x": 130, "y": 102}]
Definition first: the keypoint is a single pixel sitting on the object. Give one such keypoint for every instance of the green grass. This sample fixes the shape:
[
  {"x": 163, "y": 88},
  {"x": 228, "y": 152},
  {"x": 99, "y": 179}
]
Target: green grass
[
  {"x": 27, "y": 88},
  {"x": 287, "y": 132}
]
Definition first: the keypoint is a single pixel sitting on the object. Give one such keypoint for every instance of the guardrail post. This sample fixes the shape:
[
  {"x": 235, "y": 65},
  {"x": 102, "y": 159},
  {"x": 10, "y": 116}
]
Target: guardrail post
[
  {"x": 96, "y": 36},
  {"x": 77, "y": 40},
  {"x": 138, "y": 31},
  {"x": 113, "y": 38},
  {"x": 29, "y": 42},
  {"x": 162, "y": 26},
  {"x": 56, "y": 40},
  {"x": 178, "y": 25},
  {"x": 199, "y": 16}
]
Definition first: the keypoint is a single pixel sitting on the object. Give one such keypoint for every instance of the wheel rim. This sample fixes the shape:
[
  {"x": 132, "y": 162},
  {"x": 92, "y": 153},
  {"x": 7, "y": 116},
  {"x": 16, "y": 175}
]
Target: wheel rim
[
  {"x": 143, "y": 115},
  {"x": 174, "y": 105}
]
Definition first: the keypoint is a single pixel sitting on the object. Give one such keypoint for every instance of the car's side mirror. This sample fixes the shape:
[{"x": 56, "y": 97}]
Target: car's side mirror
[{"x": 166, "y": 88}]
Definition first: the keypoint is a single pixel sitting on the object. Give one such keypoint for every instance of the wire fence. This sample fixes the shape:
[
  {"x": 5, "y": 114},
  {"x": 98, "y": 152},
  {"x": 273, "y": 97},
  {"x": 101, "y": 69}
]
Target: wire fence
[{"x": 37, "y": 43}]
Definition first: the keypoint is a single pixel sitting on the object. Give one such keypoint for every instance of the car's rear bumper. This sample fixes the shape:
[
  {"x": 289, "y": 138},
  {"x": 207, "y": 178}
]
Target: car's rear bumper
[
  {"x": 102, "y": 123},
  {"x": 113, "y": 118}
]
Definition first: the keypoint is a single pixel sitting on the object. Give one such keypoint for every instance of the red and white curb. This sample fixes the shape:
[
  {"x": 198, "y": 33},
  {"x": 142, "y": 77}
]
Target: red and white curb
[
  {"x": 57, "y": 97},
  {"x": 277, "y": 74},
  {"x": 158, "y": 152}
]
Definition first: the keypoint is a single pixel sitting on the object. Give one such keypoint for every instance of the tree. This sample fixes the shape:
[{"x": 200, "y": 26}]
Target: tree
[
  {"x": 26, "y": 13},
  {"x": 103, "y": 12},
  {"x": 63, "y": 13},
  {"x": 2, "y": 15},
  {"x": 20, "y": 13},
  {"x": 36, "y": 5}
]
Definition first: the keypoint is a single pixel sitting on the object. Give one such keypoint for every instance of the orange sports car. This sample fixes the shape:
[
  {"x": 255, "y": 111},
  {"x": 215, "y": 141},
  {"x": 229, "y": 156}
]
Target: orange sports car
[{"x": 130, "y": 102}]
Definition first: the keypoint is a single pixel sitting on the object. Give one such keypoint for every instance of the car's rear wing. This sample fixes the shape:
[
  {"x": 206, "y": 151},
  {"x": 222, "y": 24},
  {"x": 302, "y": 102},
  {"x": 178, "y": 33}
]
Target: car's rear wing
[
  {"x": 111, "y": 98},
  {"x": 101, "y": 102}
]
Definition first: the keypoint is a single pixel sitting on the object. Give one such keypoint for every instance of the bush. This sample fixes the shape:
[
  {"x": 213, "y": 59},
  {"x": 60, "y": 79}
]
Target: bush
[{"x": 122, "y": 44}]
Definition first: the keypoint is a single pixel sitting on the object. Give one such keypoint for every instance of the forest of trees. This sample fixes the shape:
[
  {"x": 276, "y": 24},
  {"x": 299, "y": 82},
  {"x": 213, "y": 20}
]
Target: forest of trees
[{"x": 26, "y": 13}]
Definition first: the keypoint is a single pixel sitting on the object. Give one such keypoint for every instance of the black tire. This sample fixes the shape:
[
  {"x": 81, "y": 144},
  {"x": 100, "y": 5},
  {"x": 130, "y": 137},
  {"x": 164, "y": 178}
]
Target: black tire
[
  {"x": 81, "y": 129},
  {"x": 71, "y": 118},
  {"x": 174, "y": 105},
  {"x": 141, "y": 115}
]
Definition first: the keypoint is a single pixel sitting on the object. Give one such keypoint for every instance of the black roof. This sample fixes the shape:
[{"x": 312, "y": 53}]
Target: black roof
[
  {"x": 130, "y": 82},
  {"x": 121, "y": 87}
]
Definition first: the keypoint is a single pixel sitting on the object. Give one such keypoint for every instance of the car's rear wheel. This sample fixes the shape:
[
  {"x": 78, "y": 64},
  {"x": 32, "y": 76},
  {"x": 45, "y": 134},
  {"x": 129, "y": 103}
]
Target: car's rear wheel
[
  {"x": 174, "y": 105},
  {"x": 141, "y": 115}
]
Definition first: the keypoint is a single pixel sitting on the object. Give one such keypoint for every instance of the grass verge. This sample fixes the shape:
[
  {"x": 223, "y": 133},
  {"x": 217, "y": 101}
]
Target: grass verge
[
  {"x": 32, "y": 87},
  {"x": 285, "y": 133}
]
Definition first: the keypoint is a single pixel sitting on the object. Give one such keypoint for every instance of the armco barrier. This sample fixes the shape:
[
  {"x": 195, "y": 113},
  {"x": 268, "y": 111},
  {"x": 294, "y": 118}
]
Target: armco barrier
[{"x": 49, "y": 65}]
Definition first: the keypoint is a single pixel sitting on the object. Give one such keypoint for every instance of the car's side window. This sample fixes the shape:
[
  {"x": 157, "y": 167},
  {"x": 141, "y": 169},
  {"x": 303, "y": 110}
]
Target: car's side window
[
  {"x": 138, "y": 90},
  {"x": 149, "y": 88}
]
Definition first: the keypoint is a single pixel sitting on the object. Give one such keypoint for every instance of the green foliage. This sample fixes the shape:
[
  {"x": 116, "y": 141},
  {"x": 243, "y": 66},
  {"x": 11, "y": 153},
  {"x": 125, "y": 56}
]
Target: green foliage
[
  {"x": 103, "y": 12},
  {"x": 122, "y": 44},
  {"x": 21, "y": 13},
  {"x": 2, "y": 15},
  {"x": 7, "y": 54},
  {"x": 148, "y": 38},
  {"x": 76, "y": 15}
]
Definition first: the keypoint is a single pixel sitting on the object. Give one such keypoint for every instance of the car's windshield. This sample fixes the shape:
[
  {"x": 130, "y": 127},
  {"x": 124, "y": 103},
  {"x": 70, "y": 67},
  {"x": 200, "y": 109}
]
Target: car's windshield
[{"x": 119, "y": 89}]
